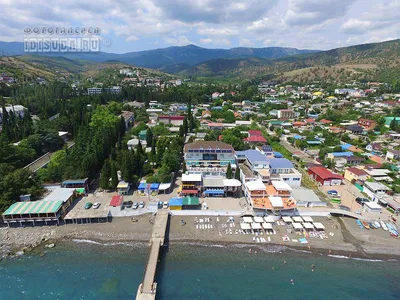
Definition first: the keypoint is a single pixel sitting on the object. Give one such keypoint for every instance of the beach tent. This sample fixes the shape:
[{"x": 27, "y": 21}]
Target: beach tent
[
  {"x": 245, "y": 226},
  {"x": 255, "y": 225},
  {"x": 308, "y": 219},
  {"x": 269, "y": 219},
  {"x": 258, "y": 219},
  {"x": 247, "y": 220},
  {"x": 297, "y": 219},
  {"x": 319, "y": 226},
  {"x": 297, "y": 226},
  {"x": 267, "y": 226},
  {"x": 287, "y": 219},
  {"x": 308, "y": 226}
]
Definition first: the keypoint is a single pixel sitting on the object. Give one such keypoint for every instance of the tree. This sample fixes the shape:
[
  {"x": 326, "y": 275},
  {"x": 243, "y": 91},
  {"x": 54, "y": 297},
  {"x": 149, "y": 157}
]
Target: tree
[
  {"x": 114, "y": 175},
  {"x": 237, "y": 173},
  {"x": 105, "y": 175},
  {"x": 229, "y": 171},
  {"x": 185, "y": 125},
  {"x": 149, "y": 137}
]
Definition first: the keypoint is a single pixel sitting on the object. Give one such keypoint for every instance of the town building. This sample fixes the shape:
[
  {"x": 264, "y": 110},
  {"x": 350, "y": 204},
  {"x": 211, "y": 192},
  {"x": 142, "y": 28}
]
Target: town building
[
  {"x": 367, "y": 124},
  {"x": 393, "y": 155},
  {"x": 173, "y": 120},
  {"x": 355, "y": 174},
  {"x": 286, "y": 114},
  {"x": 375, "y": 190},
  {"x": 324, "y": 176},
  {"x": 98, "y": 90},
  {"x": 17, "y": 110},
  {"x": 209, "y": 158}
]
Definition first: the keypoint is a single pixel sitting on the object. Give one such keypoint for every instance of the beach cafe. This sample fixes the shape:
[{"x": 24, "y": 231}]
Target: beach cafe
[
  {"x": 175, "y": 203},
  {"x": 142, "y": 189},
  {"x": 154, "y": 189}
]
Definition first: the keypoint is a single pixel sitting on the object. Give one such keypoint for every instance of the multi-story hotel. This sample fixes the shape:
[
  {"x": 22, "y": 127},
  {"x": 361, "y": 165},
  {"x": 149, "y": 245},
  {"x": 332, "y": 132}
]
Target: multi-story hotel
[{"x": 209, "y": 158}]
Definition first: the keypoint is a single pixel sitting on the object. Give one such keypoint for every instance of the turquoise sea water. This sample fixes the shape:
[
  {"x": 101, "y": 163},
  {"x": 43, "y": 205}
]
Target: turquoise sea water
[{"x": 194, "y": 271}]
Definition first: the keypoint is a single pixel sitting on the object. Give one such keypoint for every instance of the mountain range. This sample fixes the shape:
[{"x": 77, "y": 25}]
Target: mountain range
[{"x": 165, "y": 58}]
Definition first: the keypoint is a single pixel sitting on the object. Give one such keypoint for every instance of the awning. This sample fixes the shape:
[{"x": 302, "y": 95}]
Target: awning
[
  {"x": 308, "y": 219},
  {"x": 256, "y": 225},
  {"x": 245, "y": 226},
  {"x": 116, "y": 200},
  {"x": 269, "y": 219},
  {"x": 297, "y": 226},
  {"x": 319, "y": 225},
  {"x": 154, "y": 186},
  {"x": 214, "y": 192},
  {"x": 142, "y": 186},
  {"x": 287, "y": 219},
  {"x": 187, "y": 192},
  {"x": 297, "y": 219},
  {"x": 247, "y": 220},
  {"x": 308, "y": 225},
  {"x": 258, "y": 219},
  {"x": 175, "y": 202},
  {"x": 80, "y": 190},
  {"x": 267, "y": 226},
  {"x": 191, "y": 201}
]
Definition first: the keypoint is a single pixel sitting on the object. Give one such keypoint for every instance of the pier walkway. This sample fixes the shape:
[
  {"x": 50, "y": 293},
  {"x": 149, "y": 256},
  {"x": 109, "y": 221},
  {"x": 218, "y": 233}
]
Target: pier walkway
[{"x": 147, "y": 289}]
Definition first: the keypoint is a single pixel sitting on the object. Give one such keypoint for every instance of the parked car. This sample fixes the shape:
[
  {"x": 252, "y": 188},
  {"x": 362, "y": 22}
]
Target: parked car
[
  {"x": 96, "y": 205},
  {"x": 160, "y": 204},
  {"x": 128, "y": 204},
  {"x": 344, "y": 207},
  {"x": 135, "y": 205},
  {"x": 141, "y": 204},
  {"x": 88, "y": 205},
  {"x": 165, "y": 205},
  {"x": 361, "y": 200},
  {"x": 333, "y": 193}
]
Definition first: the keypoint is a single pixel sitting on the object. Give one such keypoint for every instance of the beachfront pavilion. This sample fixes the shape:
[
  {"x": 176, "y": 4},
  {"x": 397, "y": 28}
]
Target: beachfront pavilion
[
  {"x": 34, "y": 213},
  {"x": 191, "y": 203},
  {"x": 154, "y": 189},
  {"x": 297, "y": 226},
  {"x": 269, "y": 219},
  {"x": 308, "y": 219},
  {"x": 267, "y": 226},
  {"x": 308, "y": 226},
  {"x": 297, "y": 219},
  {"x": 247, "y": 220},
  {"x": 245, "y": 226},
  {"x": 319, "y": 226},
  {"x": 256, "y": 226},
  {"x": 142, "y": 189},
  {"x": 287, "y": 220},
  {"x": 258, "y": 220}
]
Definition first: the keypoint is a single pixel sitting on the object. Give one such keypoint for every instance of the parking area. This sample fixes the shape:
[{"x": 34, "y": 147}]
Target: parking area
[
  {"x": 348, "y": 193},
  {"x": 226, "y": 203}
]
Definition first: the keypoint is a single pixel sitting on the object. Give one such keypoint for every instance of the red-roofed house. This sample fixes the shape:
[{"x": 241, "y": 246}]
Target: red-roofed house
[
  {"x": 116, "y": 201},
  {"x": 255, "y": 133},
  {"x": 326, "y": 122},
  {"x": 255, "y": 139},
  {"x": 325, "y": 176},
  {"x": 174, "y": 120},
  {"x": 299, "y": 124},
  {"x": 366, "y": 123},
  {"x": 309, "y": 121}
]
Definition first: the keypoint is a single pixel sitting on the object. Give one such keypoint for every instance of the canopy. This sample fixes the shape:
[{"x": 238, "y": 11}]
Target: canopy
[
  {"x": 142, "y": 186},
  {"x": 122, "y": 185},
  {"x": 267, "y": 225},
  {"x": 175, "y": 202},
  {"x": 287, "y": 219},
  {"x": 269, "y": 219},
  {"x": 247, "y": 219},
  {"x": 258, "y": 219},
  {"x": 276, "y": 201},
  {"x": 245, "y": 226},
  {"x": 308, "y": 225},
  {"x": 256, "y": 225},
  {"x": 308, "y": 219},
  {"x": 319, "y": 225},
  {"x": 188, "y": 192},
  {"x": 154, "y": 186},
  {"x": 81, "y": 190},
  {"x": 191, "y": 201},
  {"x": 214, "y": 192},
  {"x": 297, "y": 219},
  {"x": 297, "y": 226},
  {"x": 116, "y": 200}
]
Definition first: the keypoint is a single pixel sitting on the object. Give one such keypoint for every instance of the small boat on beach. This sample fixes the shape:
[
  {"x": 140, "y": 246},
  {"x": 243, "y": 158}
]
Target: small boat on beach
[
  {"x": 371, "y": 225},
  {"x": 360, "y": 224},
  {"x": 365, "y": 224},
  {"x": 392, "y": 230},
  {"x": 384, "y": 227},
  {"x": 377, "y": 225}
]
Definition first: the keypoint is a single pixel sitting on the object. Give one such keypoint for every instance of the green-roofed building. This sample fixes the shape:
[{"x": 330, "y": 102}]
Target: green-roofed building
[
  {"x": 388, "y": 120},
  {"x": 190, "y": 203},
  {"x": 34, "y": 213}
]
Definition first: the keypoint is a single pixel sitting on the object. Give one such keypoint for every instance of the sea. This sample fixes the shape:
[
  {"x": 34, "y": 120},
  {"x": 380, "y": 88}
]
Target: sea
[{"x": 84, "y": 269}]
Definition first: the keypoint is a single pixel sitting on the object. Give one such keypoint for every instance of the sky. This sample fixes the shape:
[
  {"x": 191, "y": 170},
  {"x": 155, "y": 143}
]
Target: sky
[{"x": 133, "y": 25}]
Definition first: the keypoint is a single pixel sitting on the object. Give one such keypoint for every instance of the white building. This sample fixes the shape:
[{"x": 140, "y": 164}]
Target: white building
[
  {"x": 375, "y": 190},
  {"x": 18, "y": 111}
]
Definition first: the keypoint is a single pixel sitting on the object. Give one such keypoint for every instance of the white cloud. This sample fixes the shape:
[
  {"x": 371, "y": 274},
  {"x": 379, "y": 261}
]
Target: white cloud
[
  {"x": 206, "y": 41},
  {"x": 178, "y": 41},
  {"x": 245, "y": 42}
]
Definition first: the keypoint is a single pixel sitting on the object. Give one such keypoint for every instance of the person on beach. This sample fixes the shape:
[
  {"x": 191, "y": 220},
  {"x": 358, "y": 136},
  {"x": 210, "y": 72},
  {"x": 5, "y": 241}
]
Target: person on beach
[
  {"x": 273, "y": 268},
  {"x": 312, "y": 268}
]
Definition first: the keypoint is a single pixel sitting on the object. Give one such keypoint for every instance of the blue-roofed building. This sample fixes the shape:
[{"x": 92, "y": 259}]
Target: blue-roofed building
[
  {"x": 280, "y": 165},
  {"x": 298, "y": 137},
  {"x": 76, "y": 183},
  {"x": 256, "y": 159},
  {"x": 282, "y": 169},
  {"x": 345, "y": 146},
  {"x": 175, "y": 203},
  {"x": 278, "y": 154},
  {"x": 216, "y": 108},
  {"x": 334, "y": 155},
  {"x": 312, "y": 143}
]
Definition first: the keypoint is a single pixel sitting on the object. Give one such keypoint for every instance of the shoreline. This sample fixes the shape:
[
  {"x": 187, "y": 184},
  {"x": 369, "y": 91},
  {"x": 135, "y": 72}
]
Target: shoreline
[{"x": 17, "y": 241}]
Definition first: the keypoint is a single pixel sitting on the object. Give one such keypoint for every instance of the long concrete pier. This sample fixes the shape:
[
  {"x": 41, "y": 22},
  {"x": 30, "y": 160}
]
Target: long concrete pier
[{"x": 147, "y": 289}]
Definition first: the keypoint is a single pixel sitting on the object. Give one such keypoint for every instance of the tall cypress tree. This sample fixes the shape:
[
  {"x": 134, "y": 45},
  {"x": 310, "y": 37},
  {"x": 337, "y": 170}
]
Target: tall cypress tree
[
  {"x": 105, "y": 175},
  {"x": 237, "y": 173},
  {"x": 149, "y": 137},
  {"x": 114, "y": 175},
  {"x": 229, "y": 171}
]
